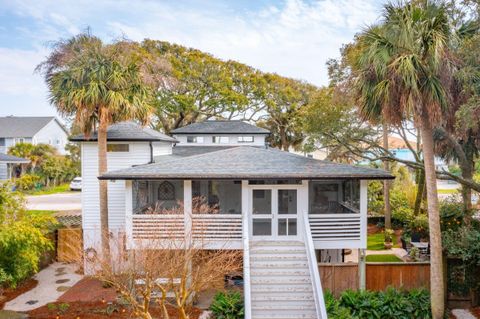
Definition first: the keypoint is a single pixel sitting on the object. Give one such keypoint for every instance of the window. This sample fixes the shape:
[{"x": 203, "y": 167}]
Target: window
[
  {"x": 58, "y": 142},
  {"x": 220, "y": 139},
  {"x": 117, "y": 147},
  {"x": 194, "y": 139},
  {"x": 223, "y": 197},
  {"x": 246, "y": 139},
  {"x": 2, "y": 141}
]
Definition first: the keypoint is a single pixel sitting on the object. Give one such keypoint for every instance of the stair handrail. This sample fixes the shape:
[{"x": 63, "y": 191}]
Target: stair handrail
[
  {"x": 246, "y": 268},
  {"x": 313, "y": 266}
]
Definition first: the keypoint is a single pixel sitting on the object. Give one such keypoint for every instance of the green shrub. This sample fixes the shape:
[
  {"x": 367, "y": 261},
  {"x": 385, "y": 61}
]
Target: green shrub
[
  {"x": 27, "y": 182},
  {"x": 23, "y": 236},
  {"x": 451, "y": 213},
  {"x": 227, "y": 305},
  {"x": 391, "y": 304}
]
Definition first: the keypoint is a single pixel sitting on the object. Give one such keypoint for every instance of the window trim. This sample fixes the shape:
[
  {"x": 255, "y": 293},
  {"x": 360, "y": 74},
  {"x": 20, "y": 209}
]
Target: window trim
[
  {"x": 220, "y": 137},
  {"x": 240, "y": 139}
]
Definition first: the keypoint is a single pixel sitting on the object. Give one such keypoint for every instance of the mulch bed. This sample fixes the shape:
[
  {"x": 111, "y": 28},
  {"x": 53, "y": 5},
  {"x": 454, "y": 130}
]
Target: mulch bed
[
  {"x": 475, "y": 311},
  {"x": 98, "y": 310},
  {"x": 10, "y": 293},
  {"x": 88, "y": 290}
]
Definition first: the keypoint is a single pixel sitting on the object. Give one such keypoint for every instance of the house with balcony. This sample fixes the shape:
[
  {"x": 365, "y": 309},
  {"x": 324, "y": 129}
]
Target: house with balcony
[{"x": 283, "y": 210}]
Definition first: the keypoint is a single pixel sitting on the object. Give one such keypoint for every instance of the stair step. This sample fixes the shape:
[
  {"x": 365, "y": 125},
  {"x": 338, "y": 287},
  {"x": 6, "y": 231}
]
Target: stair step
[
  {"x": 277, "y": 258},
  {"x": 277, "y": 243},
  {"x": 280, "y": 273},
  {"x": 283, "y": 281},
  {"x": 278, "y": 252},
  {"x": 284, "y": 264},
  {"x": 282, "y": 290},
  {"x": 284, "y": 316},
  {"x": 292, "y": 298}
]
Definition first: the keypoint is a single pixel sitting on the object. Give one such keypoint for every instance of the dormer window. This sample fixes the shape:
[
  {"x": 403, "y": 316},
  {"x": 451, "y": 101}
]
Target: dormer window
[
  {"x": 246, "y": 139},
  {"x": 220, "y": 139},
  {"x": 195, "y": 139}
]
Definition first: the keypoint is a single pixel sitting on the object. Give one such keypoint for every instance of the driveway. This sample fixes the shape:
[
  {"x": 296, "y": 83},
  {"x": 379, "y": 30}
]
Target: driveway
[{"x": 58, "y": 202}]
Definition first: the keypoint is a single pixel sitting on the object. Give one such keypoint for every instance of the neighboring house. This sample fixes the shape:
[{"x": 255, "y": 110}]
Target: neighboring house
[
  {"x": 8, "y": 166},
  {"x": 284, "y": 211},
  {"x": 35, "y": 130},
  {"x": 399, "y": 148}
]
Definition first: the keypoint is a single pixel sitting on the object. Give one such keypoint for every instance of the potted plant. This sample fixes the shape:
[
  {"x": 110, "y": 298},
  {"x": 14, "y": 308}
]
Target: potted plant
[{"x": 388, "y": 238}]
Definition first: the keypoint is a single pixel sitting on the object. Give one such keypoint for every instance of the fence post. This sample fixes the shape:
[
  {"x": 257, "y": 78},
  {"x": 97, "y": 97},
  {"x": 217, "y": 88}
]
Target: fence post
[{"x": 362, "y": 273}]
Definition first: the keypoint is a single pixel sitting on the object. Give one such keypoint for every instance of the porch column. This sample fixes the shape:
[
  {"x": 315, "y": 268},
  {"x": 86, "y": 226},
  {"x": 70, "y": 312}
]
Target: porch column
[
  {"x": 363, "y": 234},
  {"x": 129, "y": 214},
  {"x": 187, "y": 213}
]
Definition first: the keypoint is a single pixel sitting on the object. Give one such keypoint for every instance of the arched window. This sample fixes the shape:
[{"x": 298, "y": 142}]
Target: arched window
[{"x": 166, "y": 191}]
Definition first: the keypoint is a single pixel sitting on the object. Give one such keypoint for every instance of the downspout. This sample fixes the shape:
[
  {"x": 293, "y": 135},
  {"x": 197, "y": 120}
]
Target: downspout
[{"x": 151, "y": 152}]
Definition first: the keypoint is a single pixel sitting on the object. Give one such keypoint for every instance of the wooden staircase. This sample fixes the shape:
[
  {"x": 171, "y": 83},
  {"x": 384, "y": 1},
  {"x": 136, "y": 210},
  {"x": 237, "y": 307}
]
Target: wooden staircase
[{"x": 280, "y": 281}]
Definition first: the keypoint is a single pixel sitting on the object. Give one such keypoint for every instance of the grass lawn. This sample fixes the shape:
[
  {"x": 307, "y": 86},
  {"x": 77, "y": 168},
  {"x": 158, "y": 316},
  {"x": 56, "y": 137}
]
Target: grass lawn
[
  {"x": 447, "y": 191},
  {"x": 63, "y": 188},
  {"x": 383, "y": 258},
  {"x": 375, "y": 241}
]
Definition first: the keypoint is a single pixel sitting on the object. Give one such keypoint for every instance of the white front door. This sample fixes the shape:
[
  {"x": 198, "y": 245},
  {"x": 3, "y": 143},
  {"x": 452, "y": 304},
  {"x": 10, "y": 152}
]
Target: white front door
[{"x": 274, "y": 212}]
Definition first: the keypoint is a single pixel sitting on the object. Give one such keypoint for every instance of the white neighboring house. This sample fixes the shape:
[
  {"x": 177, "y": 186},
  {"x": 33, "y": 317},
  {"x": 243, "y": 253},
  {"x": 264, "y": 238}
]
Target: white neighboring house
[
  {"x": 284, "y": 211},
  {"x": 30, "y": 129}
]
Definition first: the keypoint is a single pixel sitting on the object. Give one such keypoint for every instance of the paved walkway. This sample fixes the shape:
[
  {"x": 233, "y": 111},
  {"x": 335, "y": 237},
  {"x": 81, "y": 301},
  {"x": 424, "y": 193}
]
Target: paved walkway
[
  {"x": 463, "y": 314},
  {"x": 53, "y": 281},
  {"x": 57, "y": 202}
]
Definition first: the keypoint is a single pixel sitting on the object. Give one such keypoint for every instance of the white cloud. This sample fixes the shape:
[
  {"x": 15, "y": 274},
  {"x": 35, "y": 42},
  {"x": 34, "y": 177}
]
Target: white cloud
[{"x": 293, "y": 38}]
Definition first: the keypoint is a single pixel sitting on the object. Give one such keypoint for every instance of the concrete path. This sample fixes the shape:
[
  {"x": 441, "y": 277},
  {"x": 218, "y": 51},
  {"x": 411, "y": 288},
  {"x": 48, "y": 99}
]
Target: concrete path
[
  {"x": 463, "y": 314},
  {"x": 53, "y": 281},
  {"x": 399, "y": 252},
  {"x": 58, "y": 202}
]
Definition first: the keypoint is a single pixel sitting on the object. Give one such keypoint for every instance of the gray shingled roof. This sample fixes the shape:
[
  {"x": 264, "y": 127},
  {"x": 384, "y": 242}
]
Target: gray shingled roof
[
  {"x": 24, "y": 126},
  {"x": 5, "y": 158},
  {"x": 183, "y": 151},
  {"x": 128, "y": 131},
  {"x": 246, "y": 162},
  {"x": 220, "y": 127}
]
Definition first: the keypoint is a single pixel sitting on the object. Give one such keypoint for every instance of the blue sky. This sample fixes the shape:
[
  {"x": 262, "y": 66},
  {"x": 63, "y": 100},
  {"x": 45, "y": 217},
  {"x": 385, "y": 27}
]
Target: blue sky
[{"x": 290, "y": 37}]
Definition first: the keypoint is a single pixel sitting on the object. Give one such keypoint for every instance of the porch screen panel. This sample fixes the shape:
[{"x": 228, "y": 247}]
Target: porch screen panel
[
  {"x": 334, "y": 197},
  {"x": 217, "y": 197},
  {"x": 158, "y": 197}
]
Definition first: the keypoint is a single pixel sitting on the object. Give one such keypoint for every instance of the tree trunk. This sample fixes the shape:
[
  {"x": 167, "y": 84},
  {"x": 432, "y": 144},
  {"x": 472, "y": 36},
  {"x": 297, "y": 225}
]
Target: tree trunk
[
  {"x": 467, "y": 173},
  {"x": 386, "y": 183},
  {"x": 103, "y": 186},
  {"x": 420, "y": 191},
  {"x": 436, "y": 265}
]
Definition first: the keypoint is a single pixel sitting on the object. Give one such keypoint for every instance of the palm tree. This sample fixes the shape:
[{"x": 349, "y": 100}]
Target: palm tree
[
  {"x": 100, "y": 84},
  {"x": 403, "y": 71}
]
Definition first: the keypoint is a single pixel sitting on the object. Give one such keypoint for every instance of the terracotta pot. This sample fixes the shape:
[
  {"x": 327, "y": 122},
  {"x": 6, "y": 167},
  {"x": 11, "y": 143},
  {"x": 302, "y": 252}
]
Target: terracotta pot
[{"x": 388, "y": 245}]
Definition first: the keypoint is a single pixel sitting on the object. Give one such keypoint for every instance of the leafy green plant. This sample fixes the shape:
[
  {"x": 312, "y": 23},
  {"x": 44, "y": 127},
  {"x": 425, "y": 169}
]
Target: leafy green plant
[
  {"x": 23, "y": 236},
  {"x": 63, "y": 307},
  {"x": 388, "y": 235},
  {"x": 227, "y": 305},
  {"x": 390, "y": 304},
  {"x": 27, "y": 182}
]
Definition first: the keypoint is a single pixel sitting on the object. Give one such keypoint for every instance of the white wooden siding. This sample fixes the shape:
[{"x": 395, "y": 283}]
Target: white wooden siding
[
  {"x": 50, "y": 134},
  {"x": 161, "y": 148},
  {"x": 139, "y": 153}
]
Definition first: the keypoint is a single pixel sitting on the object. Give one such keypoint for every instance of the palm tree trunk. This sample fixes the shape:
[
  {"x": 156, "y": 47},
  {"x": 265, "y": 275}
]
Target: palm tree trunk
[
  {"x": 437, "y": 291},
  {"x": 386, "y": 183},
  {"x": 103, "y": 187},
  {"x": 420, "y": 190}
]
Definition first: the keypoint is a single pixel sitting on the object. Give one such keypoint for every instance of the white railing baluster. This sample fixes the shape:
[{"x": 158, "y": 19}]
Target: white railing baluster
[{"x": 314, "y": 273}]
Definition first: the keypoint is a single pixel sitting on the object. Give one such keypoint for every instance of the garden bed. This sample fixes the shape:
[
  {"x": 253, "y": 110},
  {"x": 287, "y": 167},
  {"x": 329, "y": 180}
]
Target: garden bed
[
  {"x": 12, "y": 293},
  {"x": 97, "y": 310}
]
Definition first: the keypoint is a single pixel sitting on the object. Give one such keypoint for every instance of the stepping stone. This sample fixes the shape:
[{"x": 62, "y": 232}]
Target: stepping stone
[
  {"x": 31, "y": 302},
  {"x": 62, "y": 281},
  {"x": 63, "y": 288},
  {"x": 7, "y": 314}
]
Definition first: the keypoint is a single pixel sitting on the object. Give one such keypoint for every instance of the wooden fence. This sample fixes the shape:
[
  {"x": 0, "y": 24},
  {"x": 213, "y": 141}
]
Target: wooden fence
[
  {"x": 69, "y": 244},
  {"x": 339, "y": 277}
]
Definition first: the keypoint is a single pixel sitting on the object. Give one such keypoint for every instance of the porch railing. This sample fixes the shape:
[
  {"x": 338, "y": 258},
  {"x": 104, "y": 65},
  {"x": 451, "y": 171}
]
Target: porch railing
[
  {"x": 213, "y": 227},
  {"x": 335, "y": 227}
]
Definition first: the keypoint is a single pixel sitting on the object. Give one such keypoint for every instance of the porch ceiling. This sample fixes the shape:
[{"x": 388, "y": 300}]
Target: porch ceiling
[{"x": 246, "y": 162}]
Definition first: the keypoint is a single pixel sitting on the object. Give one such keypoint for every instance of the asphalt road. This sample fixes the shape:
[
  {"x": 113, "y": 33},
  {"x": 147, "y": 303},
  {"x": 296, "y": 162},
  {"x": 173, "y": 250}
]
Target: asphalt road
[{"x": 70, "y": 201}]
